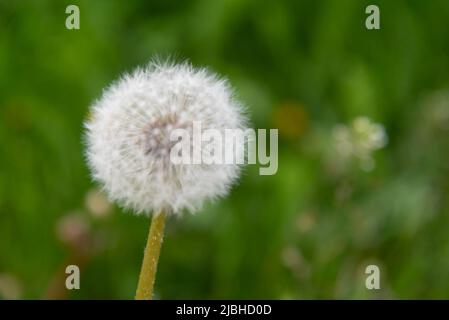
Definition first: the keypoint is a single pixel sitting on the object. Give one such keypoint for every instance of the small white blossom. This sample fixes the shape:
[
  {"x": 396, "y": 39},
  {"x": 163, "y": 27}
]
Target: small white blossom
[
  {"x": 128, "y": 137},
  {"x": 97, "y": 204},
  {"x": 360, "y": 140}
]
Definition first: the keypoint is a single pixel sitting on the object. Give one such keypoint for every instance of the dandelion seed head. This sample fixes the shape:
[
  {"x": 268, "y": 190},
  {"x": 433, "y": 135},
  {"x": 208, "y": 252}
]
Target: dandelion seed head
[{"x": 128, "y": 137}]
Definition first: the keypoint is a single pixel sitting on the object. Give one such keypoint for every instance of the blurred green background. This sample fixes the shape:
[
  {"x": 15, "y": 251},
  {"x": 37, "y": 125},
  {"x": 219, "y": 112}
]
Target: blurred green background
[{"x": 308, "y": 68}]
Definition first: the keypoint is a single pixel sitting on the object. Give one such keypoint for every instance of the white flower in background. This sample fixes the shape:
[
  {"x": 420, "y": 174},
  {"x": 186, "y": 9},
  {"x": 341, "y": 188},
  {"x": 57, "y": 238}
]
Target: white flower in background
[
  {"x": 10, "y": 288},
  {"x": 128, "y": 137},
  {"x": 97, "y": 203},
  {"x": 73, "y": 229},
  {"x": 359, "y": 140}
]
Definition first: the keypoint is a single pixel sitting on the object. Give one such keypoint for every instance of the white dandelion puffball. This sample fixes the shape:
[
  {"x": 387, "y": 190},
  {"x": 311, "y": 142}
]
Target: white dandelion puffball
[{"x": 128, "y": 137}]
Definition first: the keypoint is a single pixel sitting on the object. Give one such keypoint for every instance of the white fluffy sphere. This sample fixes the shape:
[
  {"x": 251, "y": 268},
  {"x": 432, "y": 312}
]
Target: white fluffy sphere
[{"x": 128, "y": 137}]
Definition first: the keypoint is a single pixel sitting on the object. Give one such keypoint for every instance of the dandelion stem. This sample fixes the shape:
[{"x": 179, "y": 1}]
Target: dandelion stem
[{"x": 151, "y": 256}]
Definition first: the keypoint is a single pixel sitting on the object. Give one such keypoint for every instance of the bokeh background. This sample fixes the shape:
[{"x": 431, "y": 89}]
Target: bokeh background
[{"x": 363, "y": 119}]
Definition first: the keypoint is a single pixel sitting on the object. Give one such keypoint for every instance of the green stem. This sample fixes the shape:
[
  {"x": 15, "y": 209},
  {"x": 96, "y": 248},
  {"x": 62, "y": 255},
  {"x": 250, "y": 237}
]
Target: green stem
[{"x": 151, "y": 256}]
